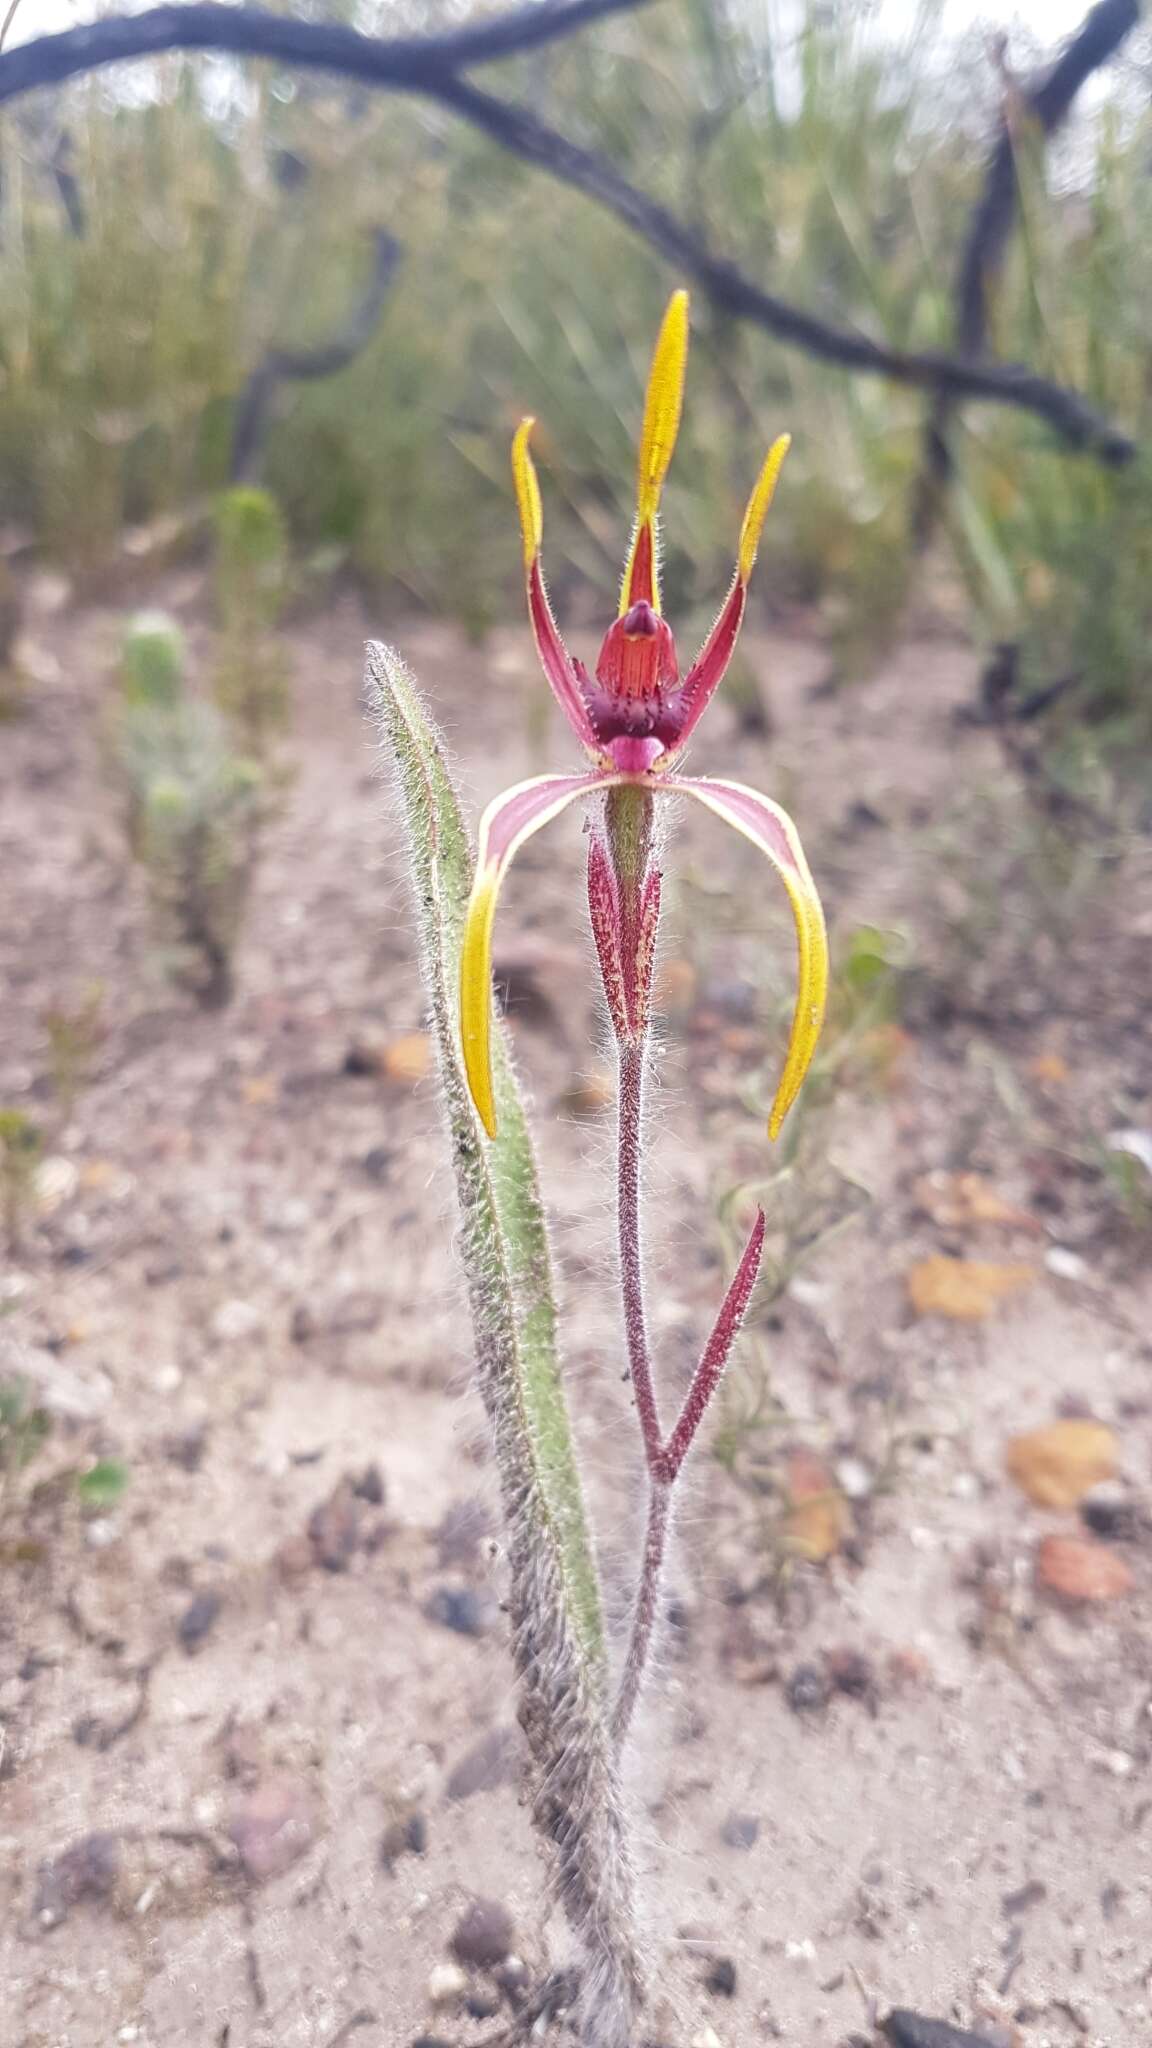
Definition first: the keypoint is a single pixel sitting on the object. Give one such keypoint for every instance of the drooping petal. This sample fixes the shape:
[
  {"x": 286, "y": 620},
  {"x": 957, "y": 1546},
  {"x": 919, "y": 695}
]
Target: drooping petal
[
  {"x": 508, "y": 821},
  {"x": 708, "y": 669},
  {"x": 662, "y": 408},
  {"x": 555, "y": 659},
  {"x": 772, "y": 830}
]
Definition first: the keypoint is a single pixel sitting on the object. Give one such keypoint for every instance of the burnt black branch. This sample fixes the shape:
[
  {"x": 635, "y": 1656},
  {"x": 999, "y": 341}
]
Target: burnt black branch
[
  {"x": 430, "y": 66},
  {"x": 282, "y": 365},
  {"x": 1044, "y": 106}
]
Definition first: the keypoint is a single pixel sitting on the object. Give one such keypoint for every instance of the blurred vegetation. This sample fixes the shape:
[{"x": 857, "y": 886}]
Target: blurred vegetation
[
  {"x": 192, "y": 809},
  {"x": 21, "y": 1150},
  {"x": 164, "y": 228},
  {"x": 251, "y": 576}
]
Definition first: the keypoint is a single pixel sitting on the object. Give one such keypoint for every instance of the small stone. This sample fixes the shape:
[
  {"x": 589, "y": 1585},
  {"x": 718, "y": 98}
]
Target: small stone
[
  {"x": 851, "y": 1673},
  {"x": 855, "y": 1479},
  {"x": 447, "y": 1984},
  {"x": 911, "y": 2030},
  {"x": 198, "y": 1619},
  {"x": 361, "y": 1059},
  {"x": 334, "y": 1528},
  {"x": 1108, "y": 1511},
  {"x": 1066, "y": 1264},
  {"x": 494, "y": 1760},
  {"x": 513, "y": 1977},
  {"x": 272, "y": 1826},
  {"x": 407, "y": 1837},
  {"x": 370, "y": 1486},
  {"x": 233, "y": 1320},
  {"x": 87, "y": 1869},
  {"x": 458, "y": 1608},
  {"x": 807, "y": 1690},
  {"x": 721, "y": 1978},
  {"x": 740, "y": 1831},
  {"x": 482, "y": 2005},
  {"x": 483, "y": 1935},
  {"x": 187, "y": 1449},
  {"x": 431, "y": 2041},
  {"x": 377, "y": 1163}
]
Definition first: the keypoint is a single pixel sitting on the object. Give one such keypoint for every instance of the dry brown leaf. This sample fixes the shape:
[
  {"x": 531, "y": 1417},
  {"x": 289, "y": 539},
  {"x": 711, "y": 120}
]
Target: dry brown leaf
[
  {"x": 260, "y": 1091},
  {"x": 958, "y": 1201},
  {"x": 818, "y": 1517},
  {"x": 1058, "y": 1465},
  {"x": 408, "y": 1058},
  {"x": 1077, "y": 1568},
  {"x": 1049, "y": 1066},
  {"x": 966, "y": 1290}
]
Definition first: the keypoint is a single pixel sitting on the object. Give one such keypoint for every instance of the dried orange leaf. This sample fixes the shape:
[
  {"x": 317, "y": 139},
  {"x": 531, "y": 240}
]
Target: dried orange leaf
[
  {"x": 957, "y": 1201},
  {"x": 966, "y": 1290},
  {"x": 408, "y": 1058},
  {"x": 1049, "y": 1066},
  {"x": 1077, "y": 1568},
  {"x": 818, "y": 1517},
  {"x": 261, "y": 1090},
  {"x": 1058, "y": 1465}
]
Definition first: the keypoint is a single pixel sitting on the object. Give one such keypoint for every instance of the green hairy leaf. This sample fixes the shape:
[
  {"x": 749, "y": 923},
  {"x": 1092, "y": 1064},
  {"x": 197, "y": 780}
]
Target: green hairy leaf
[{"x": 505, "y": 1246}]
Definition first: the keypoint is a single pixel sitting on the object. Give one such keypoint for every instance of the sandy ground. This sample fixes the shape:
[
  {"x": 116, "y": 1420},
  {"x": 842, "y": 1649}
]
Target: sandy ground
[{"x": 252, "y": 1774}]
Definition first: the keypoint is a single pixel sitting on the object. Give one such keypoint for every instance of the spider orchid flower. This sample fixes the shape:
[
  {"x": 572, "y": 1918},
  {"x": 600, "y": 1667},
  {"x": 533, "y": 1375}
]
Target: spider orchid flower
[{"x": 634, "y": 717}]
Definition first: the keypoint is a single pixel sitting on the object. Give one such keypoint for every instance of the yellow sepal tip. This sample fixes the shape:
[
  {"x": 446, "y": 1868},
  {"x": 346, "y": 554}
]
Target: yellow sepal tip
[
  {"x": 527, "y": 492},
  {"x": 758, "y": 505},
  {"x": 662, "y": 406}
]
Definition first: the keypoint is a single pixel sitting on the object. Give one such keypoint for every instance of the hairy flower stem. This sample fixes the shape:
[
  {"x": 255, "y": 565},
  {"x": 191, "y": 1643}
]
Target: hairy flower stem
[
  {"x": 629, "y": 1147},
  {"x": 624, "y": 900}
]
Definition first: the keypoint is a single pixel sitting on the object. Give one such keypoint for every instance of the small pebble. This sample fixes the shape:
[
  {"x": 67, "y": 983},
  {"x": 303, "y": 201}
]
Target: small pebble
[
  {"x": 740, "y": 1830},
  {"x": 408, "y": 1837},
  {"x": 236, "y": 1319},
  {"x": 482, "y": 2005},
  {"x": 1108, "y": 1511},
  {"x": 334, "y": 1528},
  {"x": 370, "y": 1486},
  {"x": 911, "y": 2030},
  {"x": 198, "y": 1619},
  {"x": 458, "y": 1608},
  {"x": 721, "y": 1978},
  {"x": 851, "y": 1673},
  {"x": 854, "y": 1478},
  {"x": 483, "y": 1935},
  {"x": 377, "y": 1163},
  {"x": 447, "y": 1984},
  {"x": 496, "y": 1759},
  {"x": 1065, "y": 1264},
  {"x": 512, "y": 1976},
  {"x": 807, "y": 1690}
]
